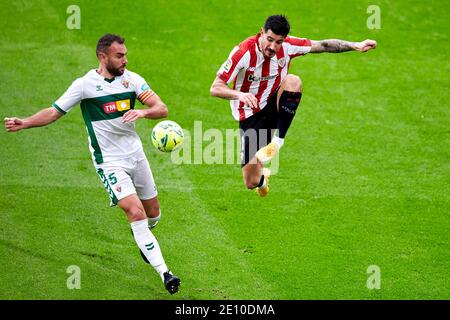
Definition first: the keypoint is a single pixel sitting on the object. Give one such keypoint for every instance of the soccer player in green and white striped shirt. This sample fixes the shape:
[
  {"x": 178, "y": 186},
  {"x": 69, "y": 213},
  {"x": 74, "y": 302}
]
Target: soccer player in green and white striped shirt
[{"x": 107, "y": 97}]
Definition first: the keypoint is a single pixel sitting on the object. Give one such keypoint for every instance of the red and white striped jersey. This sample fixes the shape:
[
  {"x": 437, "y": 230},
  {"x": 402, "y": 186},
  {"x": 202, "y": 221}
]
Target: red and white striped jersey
[{"x": 251, "y": 72}]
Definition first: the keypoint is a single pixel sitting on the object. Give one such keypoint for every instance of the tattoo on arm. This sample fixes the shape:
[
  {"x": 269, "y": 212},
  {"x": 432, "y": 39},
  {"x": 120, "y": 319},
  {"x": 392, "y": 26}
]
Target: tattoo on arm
[{"x": 335, "y": 45}]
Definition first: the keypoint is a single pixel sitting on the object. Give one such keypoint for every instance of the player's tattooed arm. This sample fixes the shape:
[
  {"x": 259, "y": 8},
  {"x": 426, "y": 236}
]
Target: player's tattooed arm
[{"x": 337, "y": 46}]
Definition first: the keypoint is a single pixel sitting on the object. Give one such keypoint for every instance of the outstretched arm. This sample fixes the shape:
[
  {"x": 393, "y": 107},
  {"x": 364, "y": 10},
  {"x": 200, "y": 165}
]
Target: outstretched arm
[
  {"x": 336, "y": 46},
  {"x": 41, "y": 118}
]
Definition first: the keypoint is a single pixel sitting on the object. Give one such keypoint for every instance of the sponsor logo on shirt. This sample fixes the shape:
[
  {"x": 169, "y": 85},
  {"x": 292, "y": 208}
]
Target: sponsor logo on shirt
[
  {"x": 115, "y": 106},
  {"x": 123, "y": 105},
  {"x": 110, "y": 107},
  {"x": 99, "y": 88},
  {"x": 251, "y": 77}
]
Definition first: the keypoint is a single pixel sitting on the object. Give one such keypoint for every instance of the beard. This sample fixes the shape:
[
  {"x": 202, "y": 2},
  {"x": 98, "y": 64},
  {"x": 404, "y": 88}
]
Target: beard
[
  {"x": 270, "y": 53},
  {"x": 115, "y": 71}
]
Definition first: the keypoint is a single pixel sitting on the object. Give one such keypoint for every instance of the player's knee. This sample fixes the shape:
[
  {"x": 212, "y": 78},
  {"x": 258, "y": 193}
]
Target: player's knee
[
  {"x": 293, "y": 83},
  {"x": 135, "y": 213}
]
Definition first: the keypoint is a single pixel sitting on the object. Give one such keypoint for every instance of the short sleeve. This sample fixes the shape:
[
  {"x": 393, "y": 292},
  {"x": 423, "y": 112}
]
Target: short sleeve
[
  {"x": 298, "y": 46},
  {"x": 70, "y": 98},
  {"x": 143, "y": 90},
  {"x": 230, "y": 68}
]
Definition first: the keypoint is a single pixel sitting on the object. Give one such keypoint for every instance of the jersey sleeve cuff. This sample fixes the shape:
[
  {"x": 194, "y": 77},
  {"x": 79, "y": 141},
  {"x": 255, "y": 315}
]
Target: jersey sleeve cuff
[
  {"x": 223, "y": 77},
  {"x": 54, "y": 105}
]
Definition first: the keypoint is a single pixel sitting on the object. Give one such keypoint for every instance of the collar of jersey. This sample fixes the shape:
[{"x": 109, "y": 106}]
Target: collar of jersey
[{"x": 109, "y": 80}]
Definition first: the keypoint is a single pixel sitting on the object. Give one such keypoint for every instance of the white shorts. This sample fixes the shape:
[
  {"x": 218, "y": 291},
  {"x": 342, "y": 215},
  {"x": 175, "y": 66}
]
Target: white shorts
[{"x": 122, "y": 178}]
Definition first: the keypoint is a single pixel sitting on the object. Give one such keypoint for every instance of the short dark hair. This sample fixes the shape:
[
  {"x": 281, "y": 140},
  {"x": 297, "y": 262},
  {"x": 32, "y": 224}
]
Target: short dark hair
[
  {"x": 106, "y": 41},
  {"x": 278, "y": 24}
]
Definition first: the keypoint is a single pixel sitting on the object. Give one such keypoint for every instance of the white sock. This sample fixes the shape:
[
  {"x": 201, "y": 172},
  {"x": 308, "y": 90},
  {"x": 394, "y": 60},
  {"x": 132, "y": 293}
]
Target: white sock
[
  {"x": 154, "y": 221},
  {"x": 278, "y": 141},
  {"x": 149, "y": 246}
]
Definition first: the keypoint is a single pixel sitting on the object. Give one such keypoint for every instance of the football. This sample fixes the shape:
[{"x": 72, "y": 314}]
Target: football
[{"x": 167, "y": 136}]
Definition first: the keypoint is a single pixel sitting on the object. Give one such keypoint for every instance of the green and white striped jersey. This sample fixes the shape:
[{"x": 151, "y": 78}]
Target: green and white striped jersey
[{"x": 103, "y": 103}]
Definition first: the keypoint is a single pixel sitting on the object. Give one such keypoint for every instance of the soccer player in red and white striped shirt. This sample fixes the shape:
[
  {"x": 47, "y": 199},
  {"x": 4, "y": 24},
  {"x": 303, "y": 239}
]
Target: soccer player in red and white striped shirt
[{"x": 264, "y": 97}]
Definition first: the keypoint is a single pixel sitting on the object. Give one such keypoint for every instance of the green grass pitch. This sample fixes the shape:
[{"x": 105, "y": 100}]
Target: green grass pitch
[{"x": 364, "y": 173}]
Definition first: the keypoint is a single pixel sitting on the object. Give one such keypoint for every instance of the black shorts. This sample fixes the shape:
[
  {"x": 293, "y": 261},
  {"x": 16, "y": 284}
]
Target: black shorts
[{"x": 257, "y": 130}]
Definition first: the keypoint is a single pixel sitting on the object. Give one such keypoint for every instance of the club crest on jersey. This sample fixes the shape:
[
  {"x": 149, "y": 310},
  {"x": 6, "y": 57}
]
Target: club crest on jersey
[
  {"x": 281, "y": 62},
  {"x": 126, "y": 83}
]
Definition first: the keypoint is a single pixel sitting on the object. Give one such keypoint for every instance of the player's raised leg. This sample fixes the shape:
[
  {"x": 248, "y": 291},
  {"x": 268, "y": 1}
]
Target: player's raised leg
[
  {"x": 254, "y": 133},
  {"x": 256, "y": 177},
  {"x": 288, "y": 99},
  {"x": 146, "y": 241},
  {"x": 251, "y": 173}
]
